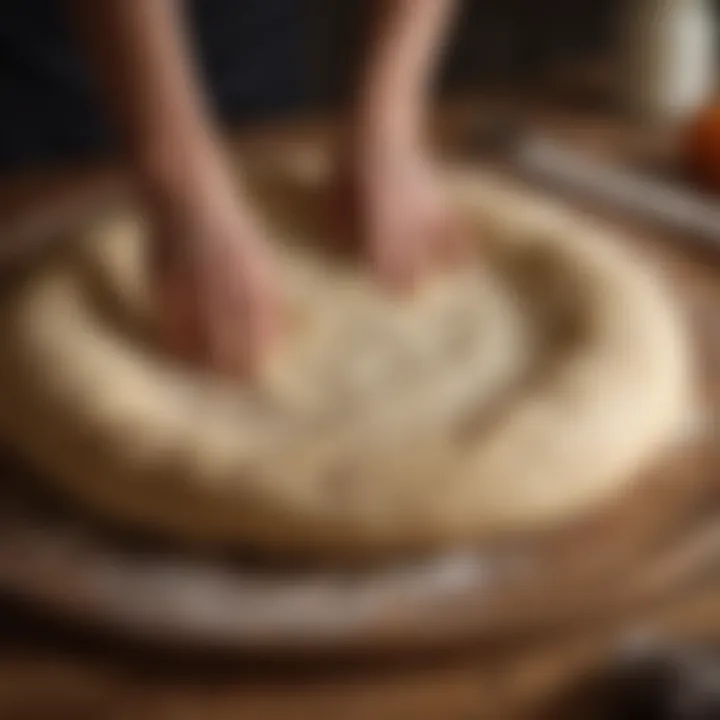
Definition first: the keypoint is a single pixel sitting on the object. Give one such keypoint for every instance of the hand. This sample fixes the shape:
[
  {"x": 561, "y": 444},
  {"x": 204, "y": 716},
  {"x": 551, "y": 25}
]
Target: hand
[
  {"x": 394, "y": 204},
  {"x": 214, "y": 281}
]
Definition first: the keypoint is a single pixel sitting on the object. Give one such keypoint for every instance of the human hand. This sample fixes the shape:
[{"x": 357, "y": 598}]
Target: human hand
[
  {"x": 394, "y": 205},
  {"x": 213, "y": 279}
]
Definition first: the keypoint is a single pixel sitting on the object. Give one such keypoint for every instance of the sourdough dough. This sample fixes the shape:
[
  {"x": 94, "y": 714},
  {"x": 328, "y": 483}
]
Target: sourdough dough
[{"x": 513, "y": 395}]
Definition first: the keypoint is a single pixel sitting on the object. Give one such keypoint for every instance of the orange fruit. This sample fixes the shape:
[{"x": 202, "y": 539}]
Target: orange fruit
[{"x": 702, "y": 147}]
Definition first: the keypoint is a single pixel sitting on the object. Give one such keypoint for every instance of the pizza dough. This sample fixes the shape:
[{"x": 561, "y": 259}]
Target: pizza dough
[{"x": 512, "y": 395}]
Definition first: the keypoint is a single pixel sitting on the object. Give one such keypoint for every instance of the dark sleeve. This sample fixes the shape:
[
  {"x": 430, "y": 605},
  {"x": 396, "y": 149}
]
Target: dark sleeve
[{"x": 253, "y": 57}]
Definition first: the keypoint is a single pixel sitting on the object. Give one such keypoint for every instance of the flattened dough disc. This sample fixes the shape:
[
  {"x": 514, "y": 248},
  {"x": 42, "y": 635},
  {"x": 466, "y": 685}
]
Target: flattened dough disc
[{"x": 513, "y": 395}]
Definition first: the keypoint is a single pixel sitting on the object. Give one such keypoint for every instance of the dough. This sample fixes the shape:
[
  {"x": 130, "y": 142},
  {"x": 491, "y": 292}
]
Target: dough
[{"x": 513, "y": 395}]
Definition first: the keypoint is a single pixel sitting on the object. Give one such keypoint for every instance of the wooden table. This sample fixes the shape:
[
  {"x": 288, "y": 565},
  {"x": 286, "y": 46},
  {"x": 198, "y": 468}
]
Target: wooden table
[{"x": 54, "y": 673}]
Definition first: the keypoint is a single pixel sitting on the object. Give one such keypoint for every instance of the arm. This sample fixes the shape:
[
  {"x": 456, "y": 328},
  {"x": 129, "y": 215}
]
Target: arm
[
  {"x": 212, "y": 275},
  {"x": 390, "y": 192},
  {"x": 406, "y": 41},
  {"x": 142, "y": 63}
]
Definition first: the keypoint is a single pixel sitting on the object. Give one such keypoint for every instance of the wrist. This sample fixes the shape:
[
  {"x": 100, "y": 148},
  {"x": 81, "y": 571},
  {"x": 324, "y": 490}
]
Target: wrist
[
  {"x": 389, "y": 126},
  {"x": 392, "y": 103},
  {"x": 180, "y": 172},
  {"x": 381, "y": 144}
]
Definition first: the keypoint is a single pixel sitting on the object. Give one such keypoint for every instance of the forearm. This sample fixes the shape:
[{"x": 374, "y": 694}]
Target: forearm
[
  {"x": 144, "y": 67},
  {"x": 396, "y": 83}
]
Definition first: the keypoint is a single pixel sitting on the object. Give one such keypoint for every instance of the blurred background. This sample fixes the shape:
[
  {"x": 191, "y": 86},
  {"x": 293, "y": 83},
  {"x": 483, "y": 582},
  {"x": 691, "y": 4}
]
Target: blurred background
[
  {"x": 510, "y": 46},
  {"x": 494, "y": 42},
  {"x": 565, "y": 53}
]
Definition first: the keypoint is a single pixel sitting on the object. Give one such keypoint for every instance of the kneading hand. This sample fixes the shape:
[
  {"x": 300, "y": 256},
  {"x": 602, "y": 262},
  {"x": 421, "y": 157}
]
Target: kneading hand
[
  {"x": 396, "y": 207},
  {"x": 215, "y": 283}
]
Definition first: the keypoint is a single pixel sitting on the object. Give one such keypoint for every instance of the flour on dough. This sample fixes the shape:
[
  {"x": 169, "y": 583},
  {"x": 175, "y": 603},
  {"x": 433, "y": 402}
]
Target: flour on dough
[{"x": 514, "y": 394}]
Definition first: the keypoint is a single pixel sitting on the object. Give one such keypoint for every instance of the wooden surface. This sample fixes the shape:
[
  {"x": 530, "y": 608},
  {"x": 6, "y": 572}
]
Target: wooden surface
[
  {"x": 51, "y": 672},
  {"x": 650, "y": 543}
]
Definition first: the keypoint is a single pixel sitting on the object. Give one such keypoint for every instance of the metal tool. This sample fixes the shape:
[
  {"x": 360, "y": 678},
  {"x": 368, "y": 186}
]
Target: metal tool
[{"x": 680, "y": 208}]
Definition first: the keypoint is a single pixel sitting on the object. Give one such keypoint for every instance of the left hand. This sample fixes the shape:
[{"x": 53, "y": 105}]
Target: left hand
[{"x": 394, "y": 205}]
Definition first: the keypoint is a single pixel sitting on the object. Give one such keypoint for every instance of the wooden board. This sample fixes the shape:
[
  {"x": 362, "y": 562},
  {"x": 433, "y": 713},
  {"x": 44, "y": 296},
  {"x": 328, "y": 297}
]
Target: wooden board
[{"x": 656, "y": 541}]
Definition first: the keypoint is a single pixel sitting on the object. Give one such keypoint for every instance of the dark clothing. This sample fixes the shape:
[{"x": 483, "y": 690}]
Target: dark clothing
[{"x": 250, "y": 51}]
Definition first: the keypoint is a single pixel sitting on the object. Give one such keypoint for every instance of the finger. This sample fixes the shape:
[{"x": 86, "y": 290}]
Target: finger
[
  {"x": 226, "y": 322},
  {"x": 409, "y": 260},
  {"x": 211, "y": 304},
  {"x": 391, "y": 256},
  {"x": 172, "y": 312},
  {"x": 420, "y": 250},
  {"x": 452, "y": 242},
  {"x": 263, "y": 322},
  {"x": 242, "y": 314},
  {"x": 191, "y": 288},
  {"x": 418, "y": 259},
  {"x": 177, "y": 320},
  {"x": 391, "y": 262},
  {"x": 461, "y": 240},
  {"x": 224, "y": 335}
]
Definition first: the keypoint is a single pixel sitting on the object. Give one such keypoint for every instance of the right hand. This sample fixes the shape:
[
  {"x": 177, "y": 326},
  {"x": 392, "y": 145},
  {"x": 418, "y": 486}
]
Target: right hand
[{"x": 213, "y": 280}]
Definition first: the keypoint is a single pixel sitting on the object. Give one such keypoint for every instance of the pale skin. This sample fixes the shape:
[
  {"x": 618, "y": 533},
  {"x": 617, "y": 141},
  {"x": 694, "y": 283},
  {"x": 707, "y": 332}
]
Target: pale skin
[{"x": 214, "y": 272}]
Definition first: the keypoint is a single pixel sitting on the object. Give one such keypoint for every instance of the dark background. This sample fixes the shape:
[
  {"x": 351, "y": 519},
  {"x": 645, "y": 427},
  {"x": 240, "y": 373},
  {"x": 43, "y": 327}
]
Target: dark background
[
  {"x": 494, "y": 42},
  {"x": 268, "y": 58}
]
